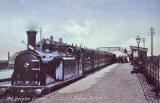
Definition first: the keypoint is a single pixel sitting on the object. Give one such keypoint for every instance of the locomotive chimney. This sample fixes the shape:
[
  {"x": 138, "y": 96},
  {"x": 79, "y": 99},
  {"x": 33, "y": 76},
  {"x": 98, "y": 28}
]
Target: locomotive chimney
[{"x": 31, "y": 38}]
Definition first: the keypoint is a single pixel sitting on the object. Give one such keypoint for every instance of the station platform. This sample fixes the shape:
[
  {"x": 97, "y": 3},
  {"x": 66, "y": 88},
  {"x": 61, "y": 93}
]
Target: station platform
[{"x": 112, "y": 84}]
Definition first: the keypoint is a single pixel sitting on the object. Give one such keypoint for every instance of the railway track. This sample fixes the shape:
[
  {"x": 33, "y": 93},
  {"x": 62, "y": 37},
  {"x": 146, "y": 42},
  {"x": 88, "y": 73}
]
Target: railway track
[
  {"x": 10, "y": 99},
  {"x": 16, "y": 99}
]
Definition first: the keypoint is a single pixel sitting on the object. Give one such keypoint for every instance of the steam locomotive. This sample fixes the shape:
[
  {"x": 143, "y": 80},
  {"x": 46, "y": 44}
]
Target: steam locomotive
[{"x": 49, "y": 63}]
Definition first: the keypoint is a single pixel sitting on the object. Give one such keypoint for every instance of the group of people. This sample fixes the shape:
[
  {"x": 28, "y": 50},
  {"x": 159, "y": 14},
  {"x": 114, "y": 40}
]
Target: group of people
[{"x": 122, "y": 59}]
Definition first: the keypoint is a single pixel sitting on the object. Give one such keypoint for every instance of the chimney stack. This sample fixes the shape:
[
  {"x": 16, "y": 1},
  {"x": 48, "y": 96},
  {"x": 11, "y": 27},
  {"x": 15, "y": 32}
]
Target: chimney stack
[
  {"x": 31, "y": 38},
  {"x": 51, "y": 38},
  {"x": 60, "y": 40}
]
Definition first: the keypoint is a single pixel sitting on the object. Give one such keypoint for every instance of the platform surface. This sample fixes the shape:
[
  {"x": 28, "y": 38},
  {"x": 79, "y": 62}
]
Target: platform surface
[{"x": 113, "y": 84}]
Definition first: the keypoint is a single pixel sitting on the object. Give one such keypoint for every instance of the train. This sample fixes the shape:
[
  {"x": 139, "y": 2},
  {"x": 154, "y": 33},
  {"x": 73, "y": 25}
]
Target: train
[{"x": 48, "y": 63}]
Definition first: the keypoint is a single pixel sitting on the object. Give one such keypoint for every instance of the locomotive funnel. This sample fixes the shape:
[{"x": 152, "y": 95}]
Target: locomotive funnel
[{"x": 31, "y": 38}]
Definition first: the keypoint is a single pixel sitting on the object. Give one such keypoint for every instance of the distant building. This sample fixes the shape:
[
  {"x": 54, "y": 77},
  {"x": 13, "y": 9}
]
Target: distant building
[
  {"x": 3, "y": 63},
  {"x": 57, "y": 43}
]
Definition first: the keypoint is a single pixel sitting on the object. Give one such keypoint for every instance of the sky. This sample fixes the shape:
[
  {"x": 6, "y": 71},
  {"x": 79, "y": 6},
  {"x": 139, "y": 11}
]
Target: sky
[{"x": 91, "y": 23}]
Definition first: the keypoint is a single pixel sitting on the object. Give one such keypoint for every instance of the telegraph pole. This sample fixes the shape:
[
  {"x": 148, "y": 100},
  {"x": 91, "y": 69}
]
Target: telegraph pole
[
  {"x": 40, "y": 38},
  {"x": 152, "y": 31},
  {"x": 144, "y": 42}
]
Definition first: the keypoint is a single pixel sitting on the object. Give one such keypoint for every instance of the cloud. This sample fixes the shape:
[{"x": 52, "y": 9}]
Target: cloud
[{"x": 93, "y": 23}]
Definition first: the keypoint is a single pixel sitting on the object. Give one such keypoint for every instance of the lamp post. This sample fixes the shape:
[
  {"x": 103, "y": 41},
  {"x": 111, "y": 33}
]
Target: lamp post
[{"x": 138, "y": 39}]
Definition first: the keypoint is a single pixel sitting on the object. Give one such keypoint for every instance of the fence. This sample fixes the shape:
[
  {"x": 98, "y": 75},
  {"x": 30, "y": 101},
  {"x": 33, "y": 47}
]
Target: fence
[{"x": 151, "y": 71}]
